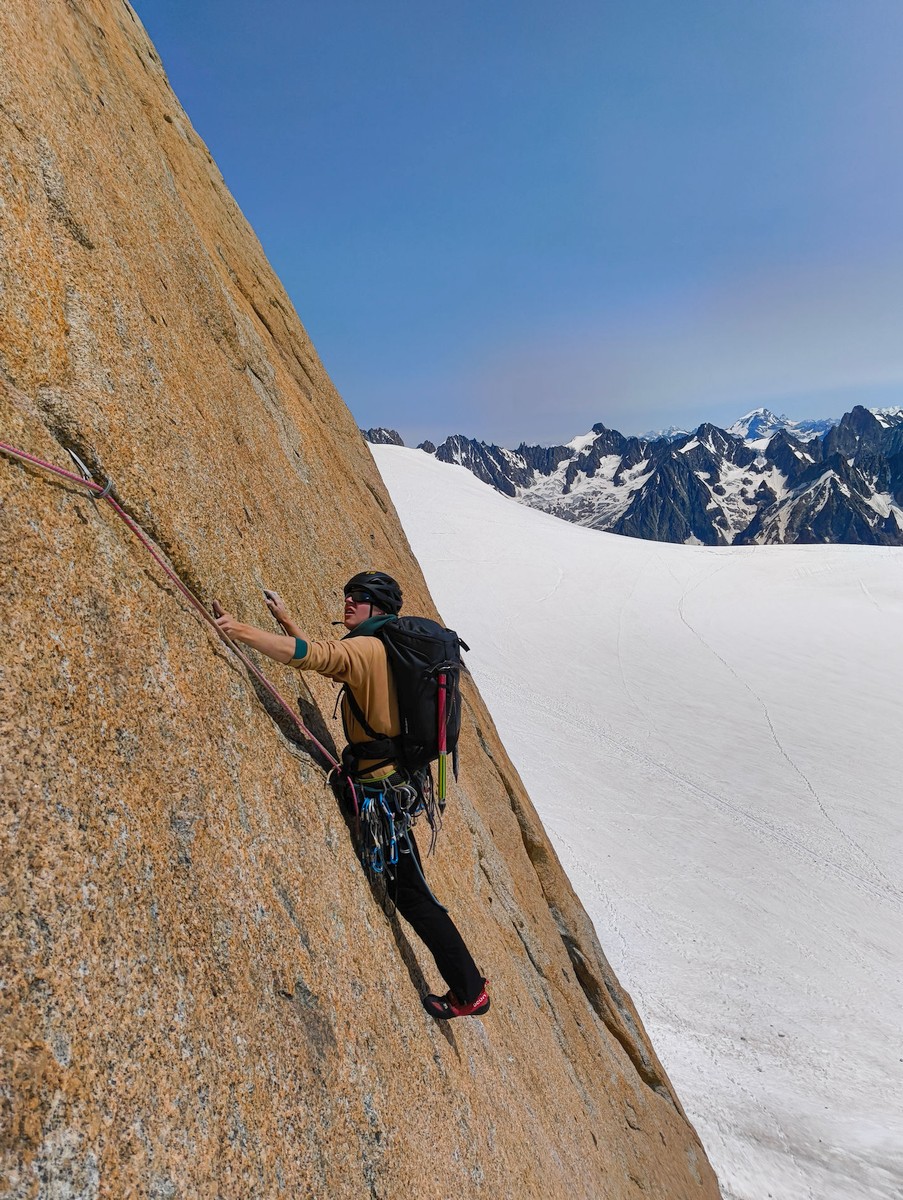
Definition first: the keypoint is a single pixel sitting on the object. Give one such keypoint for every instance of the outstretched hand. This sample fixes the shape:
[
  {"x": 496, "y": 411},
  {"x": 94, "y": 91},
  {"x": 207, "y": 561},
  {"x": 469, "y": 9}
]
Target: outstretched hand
[
  {"x": 225, "y": 622},
  {"x": 277, "y": 646},
  {"x": 276, "y": 606}
]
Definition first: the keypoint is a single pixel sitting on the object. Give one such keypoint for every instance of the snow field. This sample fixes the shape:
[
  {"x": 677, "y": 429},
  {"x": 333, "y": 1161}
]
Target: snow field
[{"x": 712, "y": 738}]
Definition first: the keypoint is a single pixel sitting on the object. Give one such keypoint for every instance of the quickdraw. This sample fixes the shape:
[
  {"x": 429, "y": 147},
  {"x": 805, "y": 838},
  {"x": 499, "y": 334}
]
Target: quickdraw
[
  {"x": 383, "y": 822},
  {"x": 388, "y": 811}
]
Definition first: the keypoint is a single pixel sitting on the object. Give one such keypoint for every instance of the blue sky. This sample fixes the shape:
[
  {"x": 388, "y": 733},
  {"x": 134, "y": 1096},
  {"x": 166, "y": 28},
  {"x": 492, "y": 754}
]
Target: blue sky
[{"x": 515, "y": 220}]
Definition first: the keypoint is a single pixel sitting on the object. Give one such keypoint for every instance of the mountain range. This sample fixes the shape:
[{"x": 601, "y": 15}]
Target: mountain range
[{"x": 763, "y": 480}]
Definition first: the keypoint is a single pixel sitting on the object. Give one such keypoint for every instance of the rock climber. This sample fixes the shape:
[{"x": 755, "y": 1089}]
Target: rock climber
[{"x": 359, "y": 661}]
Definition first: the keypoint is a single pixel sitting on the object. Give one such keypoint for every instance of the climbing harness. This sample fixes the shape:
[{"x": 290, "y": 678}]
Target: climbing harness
[{"x": 105, "y": 492}]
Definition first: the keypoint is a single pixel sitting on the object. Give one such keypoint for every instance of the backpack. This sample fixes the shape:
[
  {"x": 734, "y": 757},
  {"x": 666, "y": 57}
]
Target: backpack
[{"x": 425, "y": 661}]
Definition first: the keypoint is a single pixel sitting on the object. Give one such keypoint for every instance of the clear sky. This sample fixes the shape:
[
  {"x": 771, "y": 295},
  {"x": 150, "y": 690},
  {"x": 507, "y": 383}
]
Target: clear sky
[{"x": 513, "y": 220}]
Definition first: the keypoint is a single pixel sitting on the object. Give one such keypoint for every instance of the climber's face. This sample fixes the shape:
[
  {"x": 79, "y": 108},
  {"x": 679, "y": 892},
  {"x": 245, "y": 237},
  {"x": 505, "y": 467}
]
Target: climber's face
[{"x": 359, "y": 607}]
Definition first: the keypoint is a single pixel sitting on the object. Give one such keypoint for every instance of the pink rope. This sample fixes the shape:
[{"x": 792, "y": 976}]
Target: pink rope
[{"x": 186, "y": 592}]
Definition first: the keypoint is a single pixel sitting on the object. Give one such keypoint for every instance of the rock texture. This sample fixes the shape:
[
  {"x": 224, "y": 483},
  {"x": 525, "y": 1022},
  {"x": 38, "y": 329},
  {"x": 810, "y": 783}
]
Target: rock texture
[{"x": 201, "y": 996}]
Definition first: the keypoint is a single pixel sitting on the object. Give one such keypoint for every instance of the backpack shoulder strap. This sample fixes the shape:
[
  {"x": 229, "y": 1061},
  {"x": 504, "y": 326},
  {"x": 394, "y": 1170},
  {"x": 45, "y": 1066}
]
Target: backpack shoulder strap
[{"x": 359, "y": 714}]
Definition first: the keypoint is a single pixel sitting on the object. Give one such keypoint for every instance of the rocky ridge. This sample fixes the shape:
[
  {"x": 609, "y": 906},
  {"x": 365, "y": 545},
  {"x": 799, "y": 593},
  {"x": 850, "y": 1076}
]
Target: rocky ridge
[
  {"x": 201, "y": 995},
  {"x": 764, "y": 480}
]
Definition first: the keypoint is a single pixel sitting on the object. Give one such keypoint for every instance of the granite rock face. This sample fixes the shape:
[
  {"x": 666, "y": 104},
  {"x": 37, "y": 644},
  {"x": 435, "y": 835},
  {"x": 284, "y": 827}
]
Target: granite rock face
[{"x": 201, "y": 996}]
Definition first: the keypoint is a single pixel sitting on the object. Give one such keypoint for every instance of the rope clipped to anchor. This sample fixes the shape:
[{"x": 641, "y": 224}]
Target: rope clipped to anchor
[{"x": 99, "y": 492}]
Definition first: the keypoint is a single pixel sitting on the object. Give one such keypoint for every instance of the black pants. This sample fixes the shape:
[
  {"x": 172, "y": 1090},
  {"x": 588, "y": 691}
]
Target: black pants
[{"x": 434, "y": 927}]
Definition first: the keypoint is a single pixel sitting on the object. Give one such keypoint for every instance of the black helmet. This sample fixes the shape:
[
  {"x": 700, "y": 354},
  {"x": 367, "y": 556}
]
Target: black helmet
[{"x": 381, "y": 589}]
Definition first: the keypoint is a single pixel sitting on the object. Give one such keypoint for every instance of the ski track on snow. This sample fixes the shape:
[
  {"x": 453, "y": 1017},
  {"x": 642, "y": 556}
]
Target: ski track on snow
[
  {"x": 751, "y": 822},
  {"x": 869, "y": 595},
  {"x": 554, "y": 588},
  {"x": 892, "y": 891}
]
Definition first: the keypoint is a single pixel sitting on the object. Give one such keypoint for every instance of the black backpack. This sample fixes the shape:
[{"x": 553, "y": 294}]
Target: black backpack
[{"x": 425, "y": 661}]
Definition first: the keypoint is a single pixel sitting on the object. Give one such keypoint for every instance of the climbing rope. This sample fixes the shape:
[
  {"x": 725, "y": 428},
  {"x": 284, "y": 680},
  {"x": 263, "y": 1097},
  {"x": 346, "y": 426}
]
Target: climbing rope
[{"x": 104, "y": 492}]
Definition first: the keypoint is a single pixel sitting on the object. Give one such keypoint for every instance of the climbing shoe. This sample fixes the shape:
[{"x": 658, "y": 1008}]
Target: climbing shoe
[{"x": 443, "y": 1008}]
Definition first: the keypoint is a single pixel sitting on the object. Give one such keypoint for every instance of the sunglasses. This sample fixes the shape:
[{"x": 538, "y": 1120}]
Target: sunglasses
[{"x": 360, "y": 597}]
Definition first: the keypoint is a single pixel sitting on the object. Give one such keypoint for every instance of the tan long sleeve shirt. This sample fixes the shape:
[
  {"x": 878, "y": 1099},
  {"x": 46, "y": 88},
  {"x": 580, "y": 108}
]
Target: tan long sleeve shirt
[{"x": 361, "y": 663}]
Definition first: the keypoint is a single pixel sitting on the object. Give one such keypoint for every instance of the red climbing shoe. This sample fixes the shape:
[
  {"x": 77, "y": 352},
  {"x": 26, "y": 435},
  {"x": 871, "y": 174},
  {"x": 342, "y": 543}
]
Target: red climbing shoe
[{"x": 443, "y": 1008}]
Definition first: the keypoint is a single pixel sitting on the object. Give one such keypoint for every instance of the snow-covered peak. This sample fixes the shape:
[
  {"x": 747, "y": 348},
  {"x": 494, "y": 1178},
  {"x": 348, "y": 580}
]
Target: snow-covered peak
[
  {"x": 888, "y": 416},
  {"x": 671, "y": 434},
  {"x": 756, "y": 422},
  {"x": 581, "y": 441},
  {"x": 758, "y": 427}
]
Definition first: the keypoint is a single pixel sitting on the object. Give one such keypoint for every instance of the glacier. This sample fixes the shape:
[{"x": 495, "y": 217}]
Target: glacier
[{"x": 712, "y": 738}]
